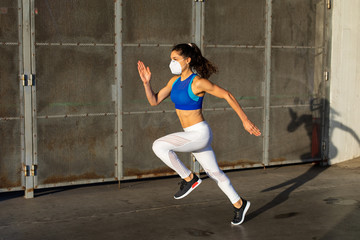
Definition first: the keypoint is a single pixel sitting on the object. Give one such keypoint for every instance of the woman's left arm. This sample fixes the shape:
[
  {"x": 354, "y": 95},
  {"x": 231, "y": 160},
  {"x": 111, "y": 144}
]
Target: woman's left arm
[{"x": 204, "y": 85}]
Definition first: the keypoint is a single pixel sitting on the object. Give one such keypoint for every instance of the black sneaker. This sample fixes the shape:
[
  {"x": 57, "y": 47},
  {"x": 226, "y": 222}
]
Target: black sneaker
[
  {"x": 187, "y": 187},
  {"x": 240, "y": 212}
]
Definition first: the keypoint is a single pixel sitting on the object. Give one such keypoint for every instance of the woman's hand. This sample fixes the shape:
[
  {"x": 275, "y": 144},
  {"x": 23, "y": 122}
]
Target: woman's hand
[
  {"x": 251, "y": 128},
  {"x": 144, "y": 72}
]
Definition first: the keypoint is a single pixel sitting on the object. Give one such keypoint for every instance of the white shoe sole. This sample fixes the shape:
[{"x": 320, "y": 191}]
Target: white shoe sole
[{"x": 195, "y": 185}]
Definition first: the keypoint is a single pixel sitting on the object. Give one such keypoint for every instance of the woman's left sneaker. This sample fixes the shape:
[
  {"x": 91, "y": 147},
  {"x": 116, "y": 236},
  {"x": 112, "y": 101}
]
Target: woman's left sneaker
[{"x": 240, "y": 212}]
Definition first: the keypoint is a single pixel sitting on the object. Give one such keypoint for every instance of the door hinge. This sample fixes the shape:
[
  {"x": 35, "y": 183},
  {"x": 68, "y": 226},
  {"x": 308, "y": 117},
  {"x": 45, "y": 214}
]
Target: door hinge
[
  {"x": 328, "y": 4},
  {"x": 33, "y": 170},
  {"x": 30, "y": 171},
  {"x": 326, "y": 75},
  {"x": 323, "y": 146},
  {"x": 26, "y": 170},
  {"x": 31, "y": 80},
  {"x": 24, "y": 79},
  {"x": 27, "y": 80}
]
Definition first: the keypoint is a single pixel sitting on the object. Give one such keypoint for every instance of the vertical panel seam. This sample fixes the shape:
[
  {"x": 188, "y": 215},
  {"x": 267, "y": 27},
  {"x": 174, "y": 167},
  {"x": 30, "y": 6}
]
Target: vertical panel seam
[
  {"x": 118, "y": 76},
  {"x": 266, "y": 125}
]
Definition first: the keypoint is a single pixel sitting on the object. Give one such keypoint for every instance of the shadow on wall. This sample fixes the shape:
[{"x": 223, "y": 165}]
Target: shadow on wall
[
  {"x": 339, "y": 125},
  {"x": 312, "y": 124}
]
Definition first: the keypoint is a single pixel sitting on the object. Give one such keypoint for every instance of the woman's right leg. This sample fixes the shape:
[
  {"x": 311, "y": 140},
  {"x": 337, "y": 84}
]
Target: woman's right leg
[
  {"x": 164, "y": 149},
  {"x": 182, "y": 142},
  {"x": 188, "y": 141},
  {"x": 193, "y": 138}
]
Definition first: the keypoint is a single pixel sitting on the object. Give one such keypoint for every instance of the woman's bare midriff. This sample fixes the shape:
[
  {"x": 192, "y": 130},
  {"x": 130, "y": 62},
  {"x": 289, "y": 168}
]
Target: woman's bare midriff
[{"x": 189, "y": 117}]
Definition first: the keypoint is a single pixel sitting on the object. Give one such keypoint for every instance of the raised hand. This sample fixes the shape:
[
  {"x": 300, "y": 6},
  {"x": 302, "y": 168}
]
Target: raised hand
[
  {"x": 251, "y": 128},
  {"x": 144, "y": 72}
]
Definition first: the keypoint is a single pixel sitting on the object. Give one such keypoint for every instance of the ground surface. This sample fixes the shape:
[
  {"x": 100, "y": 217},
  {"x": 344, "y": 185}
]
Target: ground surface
[{"x": 290, "y": 202}]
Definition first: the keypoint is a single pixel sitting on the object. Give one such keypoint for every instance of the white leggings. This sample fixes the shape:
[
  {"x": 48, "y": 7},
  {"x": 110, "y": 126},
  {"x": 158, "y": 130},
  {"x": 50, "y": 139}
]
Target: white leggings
[{"x": 196, "y": 139}]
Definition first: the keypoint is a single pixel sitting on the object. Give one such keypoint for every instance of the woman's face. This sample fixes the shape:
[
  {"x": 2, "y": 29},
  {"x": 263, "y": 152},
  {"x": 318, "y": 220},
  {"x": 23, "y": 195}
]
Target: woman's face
[{"x": 175, "y": 55}]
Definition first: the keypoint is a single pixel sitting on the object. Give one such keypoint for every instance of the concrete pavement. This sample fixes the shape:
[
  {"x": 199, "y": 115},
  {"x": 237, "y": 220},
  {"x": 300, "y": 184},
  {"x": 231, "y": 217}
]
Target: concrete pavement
[{"x": 289, "y": 202}]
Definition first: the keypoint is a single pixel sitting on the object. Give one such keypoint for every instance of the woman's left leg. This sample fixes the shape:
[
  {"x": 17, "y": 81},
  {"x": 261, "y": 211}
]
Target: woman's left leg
[{"x": 206, "y": 157}]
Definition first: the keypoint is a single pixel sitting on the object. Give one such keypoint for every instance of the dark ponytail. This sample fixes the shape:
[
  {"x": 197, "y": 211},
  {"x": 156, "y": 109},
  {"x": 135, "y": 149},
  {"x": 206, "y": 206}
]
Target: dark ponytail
[{"x": 198, "y": 63}]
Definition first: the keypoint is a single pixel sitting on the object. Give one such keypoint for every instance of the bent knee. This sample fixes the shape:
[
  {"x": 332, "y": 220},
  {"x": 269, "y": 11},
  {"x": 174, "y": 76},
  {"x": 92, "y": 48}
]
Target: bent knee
[
  {"x": 156, "y": 146},
  {"x": 160, "y": 147}
]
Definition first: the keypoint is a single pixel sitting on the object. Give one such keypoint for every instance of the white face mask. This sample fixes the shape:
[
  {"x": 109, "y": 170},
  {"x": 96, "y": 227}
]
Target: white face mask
[{"x": 175, "y": 67}]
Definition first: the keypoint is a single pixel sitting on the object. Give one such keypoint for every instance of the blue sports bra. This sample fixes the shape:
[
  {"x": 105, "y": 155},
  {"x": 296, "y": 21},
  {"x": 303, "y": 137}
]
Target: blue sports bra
[{"x": 183, "y": 96}]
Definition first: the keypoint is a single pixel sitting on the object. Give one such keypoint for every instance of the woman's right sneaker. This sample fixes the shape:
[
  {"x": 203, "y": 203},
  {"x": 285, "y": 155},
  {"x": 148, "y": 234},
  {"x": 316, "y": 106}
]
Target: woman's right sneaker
[
  {"x": 240, "y": 212},
  {"x": 187, "y": 187}
]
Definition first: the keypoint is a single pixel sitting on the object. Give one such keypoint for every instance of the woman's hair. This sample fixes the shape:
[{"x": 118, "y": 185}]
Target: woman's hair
[{"x": 198, "y": 63}]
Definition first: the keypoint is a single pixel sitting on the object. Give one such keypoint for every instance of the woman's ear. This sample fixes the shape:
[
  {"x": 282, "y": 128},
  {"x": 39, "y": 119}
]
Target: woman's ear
[{"x": 188, "y": 60}]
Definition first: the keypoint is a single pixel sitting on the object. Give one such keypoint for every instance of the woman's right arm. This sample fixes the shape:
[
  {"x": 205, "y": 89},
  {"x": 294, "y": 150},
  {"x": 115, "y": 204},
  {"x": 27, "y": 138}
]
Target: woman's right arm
[{"x": 153, "y": 98}]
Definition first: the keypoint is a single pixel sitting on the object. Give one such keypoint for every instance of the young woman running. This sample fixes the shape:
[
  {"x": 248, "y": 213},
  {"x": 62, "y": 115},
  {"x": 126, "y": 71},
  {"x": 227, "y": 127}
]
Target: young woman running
[{"x": 187, "y": 90}]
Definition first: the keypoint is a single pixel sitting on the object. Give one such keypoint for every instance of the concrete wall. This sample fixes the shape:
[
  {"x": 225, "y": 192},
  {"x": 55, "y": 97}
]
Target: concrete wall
[{"x": 345, "y": 82}]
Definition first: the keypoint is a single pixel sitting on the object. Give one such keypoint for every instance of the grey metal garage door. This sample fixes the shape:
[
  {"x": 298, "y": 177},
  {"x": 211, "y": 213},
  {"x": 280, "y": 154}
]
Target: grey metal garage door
[{"x": 82, "y": 115}]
